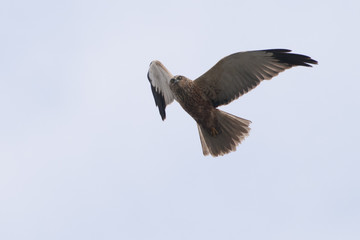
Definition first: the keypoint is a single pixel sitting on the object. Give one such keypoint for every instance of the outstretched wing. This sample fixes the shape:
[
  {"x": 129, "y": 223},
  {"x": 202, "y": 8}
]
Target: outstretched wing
[
  {"x": 159, "y": 78},
  {"x": 240, "y": 72}
]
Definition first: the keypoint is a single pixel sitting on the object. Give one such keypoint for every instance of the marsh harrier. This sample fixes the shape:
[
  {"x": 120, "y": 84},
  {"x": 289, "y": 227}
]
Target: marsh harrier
[{"x": 231, "y": 77}]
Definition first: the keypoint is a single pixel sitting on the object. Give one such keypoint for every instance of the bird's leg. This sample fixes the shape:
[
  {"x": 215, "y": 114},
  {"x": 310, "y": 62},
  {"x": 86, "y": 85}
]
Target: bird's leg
[{"x": 213, "y": 132}]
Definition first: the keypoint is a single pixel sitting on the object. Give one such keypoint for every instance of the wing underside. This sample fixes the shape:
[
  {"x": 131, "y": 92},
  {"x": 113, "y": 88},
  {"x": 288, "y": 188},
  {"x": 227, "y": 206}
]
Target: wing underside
[
  {"x": 238, "y": 73},
  {"x": 159, "y": 78}
]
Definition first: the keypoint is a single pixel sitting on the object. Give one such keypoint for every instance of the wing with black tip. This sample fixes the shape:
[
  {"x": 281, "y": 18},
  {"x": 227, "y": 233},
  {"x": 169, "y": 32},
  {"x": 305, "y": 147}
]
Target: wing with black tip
[
  {"x": 159, "y": 78},
  {"x": 240, "y": 72}
]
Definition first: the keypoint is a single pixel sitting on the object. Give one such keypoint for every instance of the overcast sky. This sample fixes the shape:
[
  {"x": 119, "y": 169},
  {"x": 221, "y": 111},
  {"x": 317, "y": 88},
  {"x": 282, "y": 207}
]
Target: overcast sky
[{"x": 84, "y": 153}]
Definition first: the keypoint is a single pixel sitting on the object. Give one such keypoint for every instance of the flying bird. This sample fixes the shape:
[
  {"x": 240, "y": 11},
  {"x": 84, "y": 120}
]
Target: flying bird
[{"x": 220, "y": 132}]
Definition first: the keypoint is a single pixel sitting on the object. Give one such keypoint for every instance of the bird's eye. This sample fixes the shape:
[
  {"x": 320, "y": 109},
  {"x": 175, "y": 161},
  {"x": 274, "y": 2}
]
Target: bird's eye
[{"x": 179, "y": 77}]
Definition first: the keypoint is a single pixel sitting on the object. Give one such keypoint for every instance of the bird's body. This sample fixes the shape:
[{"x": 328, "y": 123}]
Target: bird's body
[
  {"x": 231, "y": 77},
  {"x": 195, "y": 103}
]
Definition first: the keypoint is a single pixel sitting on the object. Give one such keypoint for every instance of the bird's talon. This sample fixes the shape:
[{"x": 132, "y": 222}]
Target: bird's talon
[{"x": 214, "y": 132}]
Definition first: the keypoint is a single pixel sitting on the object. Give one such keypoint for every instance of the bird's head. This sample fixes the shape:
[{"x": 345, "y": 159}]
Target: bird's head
[{"x": 176, "y": 79}]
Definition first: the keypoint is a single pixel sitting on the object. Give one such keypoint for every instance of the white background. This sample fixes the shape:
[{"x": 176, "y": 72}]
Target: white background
[{"x": 84, "y": 153}]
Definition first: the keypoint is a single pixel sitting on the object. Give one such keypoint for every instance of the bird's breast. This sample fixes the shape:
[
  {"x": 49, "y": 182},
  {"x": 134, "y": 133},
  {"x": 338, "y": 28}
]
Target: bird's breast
[{"x": 193, "y": 101}]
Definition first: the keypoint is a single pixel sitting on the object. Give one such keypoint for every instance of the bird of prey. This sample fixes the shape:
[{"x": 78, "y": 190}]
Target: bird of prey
[{"x": 220, "y": 132}]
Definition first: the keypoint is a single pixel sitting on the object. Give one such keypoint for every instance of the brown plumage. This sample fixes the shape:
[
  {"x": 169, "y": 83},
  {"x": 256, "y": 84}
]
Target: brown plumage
[{"x": 231, "y": 77}]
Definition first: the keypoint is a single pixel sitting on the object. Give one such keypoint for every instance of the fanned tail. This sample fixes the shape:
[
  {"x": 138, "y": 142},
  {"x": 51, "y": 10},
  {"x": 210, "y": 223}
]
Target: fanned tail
[{"x": 233, "y": 130}]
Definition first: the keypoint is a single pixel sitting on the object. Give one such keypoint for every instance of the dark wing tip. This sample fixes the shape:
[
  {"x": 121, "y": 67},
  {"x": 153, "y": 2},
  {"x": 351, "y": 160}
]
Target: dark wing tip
[
  {"x": 159, "y": 100},
  {"x": 293, "y": 59}
]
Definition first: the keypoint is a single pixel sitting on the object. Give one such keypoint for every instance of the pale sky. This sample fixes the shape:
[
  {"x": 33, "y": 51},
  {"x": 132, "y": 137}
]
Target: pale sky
[{"x": 84, "y": 153}]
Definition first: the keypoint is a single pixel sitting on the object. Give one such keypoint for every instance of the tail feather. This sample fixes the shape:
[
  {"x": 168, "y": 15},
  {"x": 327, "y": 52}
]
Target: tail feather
[{"x": 233, "y": 130}]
